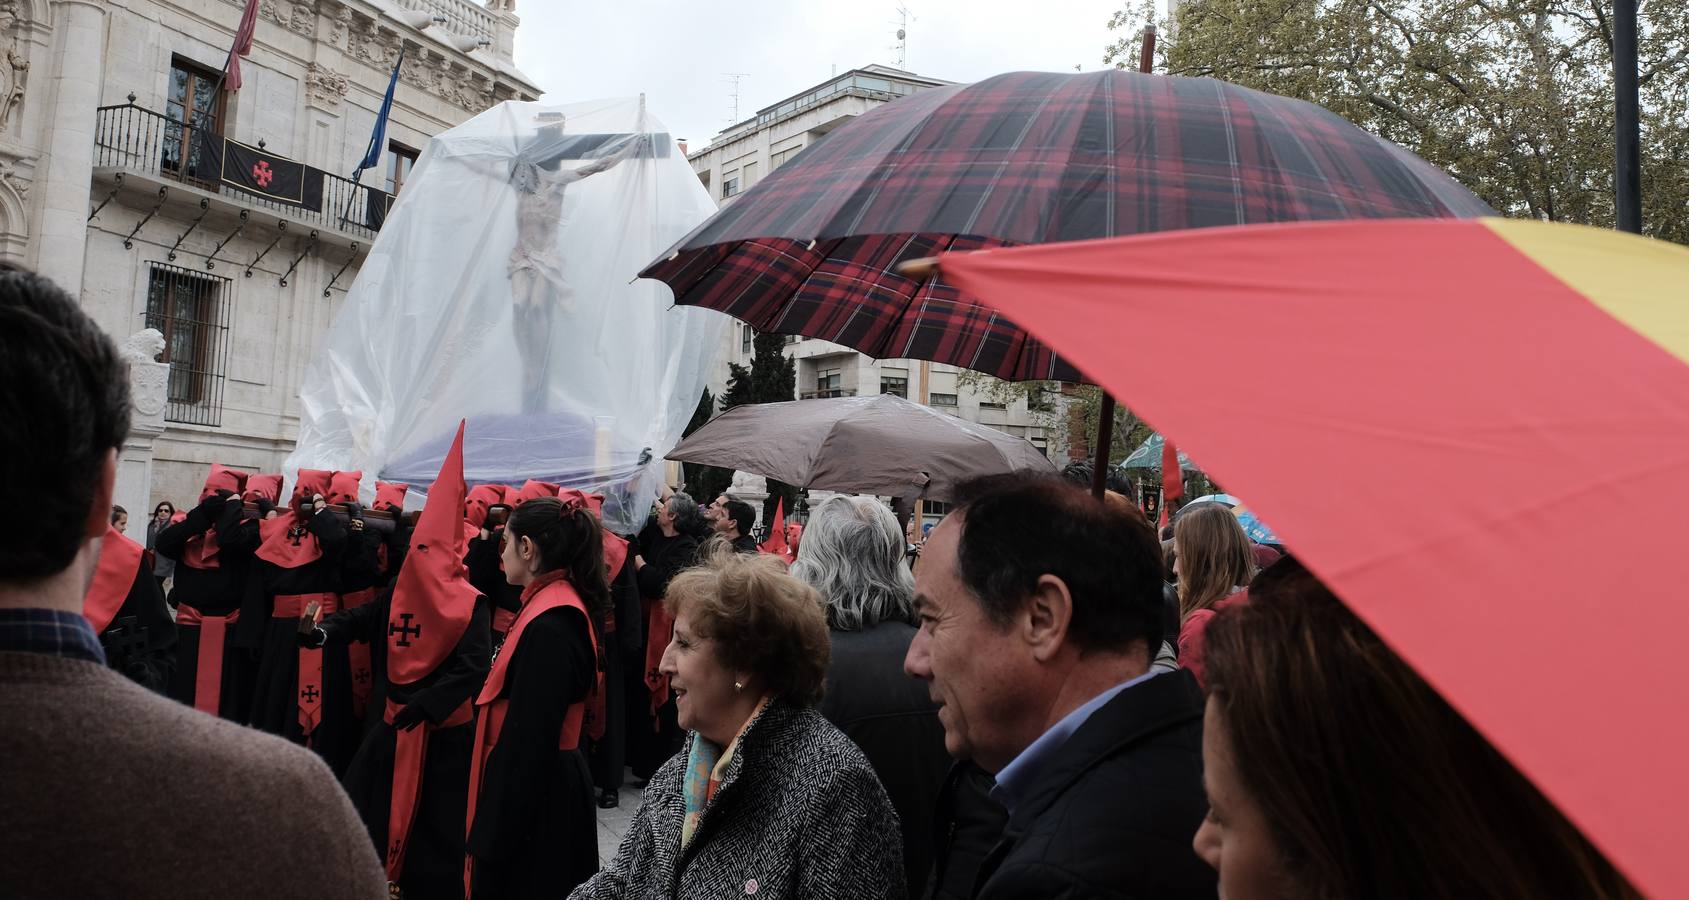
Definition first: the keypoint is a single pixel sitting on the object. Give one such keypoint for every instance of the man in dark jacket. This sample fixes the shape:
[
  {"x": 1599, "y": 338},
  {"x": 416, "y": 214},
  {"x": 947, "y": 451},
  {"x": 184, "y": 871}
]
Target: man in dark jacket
[
  {"x": 734, "y": 525},
  {"x": 1039, "y": 653}
]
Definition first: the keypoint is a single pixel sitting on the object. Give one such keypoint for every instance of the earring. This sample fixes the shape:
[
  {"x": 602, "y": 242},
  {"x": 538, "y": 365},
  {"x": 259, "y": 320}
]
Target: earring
[{"x": 738, "y": 685}]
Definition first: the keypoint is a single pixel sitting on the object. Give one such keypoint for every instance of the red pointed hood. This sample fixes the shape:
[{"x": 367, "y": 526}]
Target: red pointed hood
[
  {"x": 114, "y": 574},
  {"x": 776, "y": 542},
  {"x": 267, "y": 487},
  {"x": 390, "y": 496},
  {"x": 343, "y": 487},
  {"x": 310, "y": 482},
  {"x": 481, "y": 500},
  {"x": 222, "y": 478},
  {"x": 532, "y": 489},
  {"x": 433, "y": 601}
]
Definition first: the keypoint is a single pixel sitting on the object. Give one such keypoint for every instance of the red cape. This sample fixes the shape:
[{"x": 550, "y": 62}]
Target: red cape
[{"x": 114, "y": 575}]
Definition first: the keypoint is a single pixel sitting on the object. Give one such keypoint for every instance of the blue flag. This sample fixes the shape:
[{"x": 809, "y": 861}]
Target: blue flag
[{"x": 378, "y": 140}]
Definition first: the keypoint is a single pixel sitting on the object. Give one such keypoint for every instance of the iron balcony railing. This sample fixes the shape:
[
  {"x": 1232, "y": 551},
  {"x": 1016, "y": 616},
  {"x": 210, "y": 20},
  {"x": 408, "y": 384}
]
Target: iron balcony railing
[{"x": 140, "y": 140}]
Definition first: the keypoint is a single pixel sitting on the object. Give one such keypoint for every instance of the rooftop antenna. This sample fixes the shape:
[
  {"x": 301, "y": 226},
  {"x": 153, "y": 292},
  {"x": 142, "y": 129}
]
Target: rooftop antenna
[
  {"x": 902, "y": 46},
  {"x": 734, "y": 78}
]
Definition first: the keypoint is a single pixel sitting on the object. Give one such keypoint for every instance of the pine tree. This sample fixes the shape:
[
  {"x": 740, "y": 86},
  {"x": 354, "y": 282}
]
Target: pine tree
[{"x": 771, "y": 378}]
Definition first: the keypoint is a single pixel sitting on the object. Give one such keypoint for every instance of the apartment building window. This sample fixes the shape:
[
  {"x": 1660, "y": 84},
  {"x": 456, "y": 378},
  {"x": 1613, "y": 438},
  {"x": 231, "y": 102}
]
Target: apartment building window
[
  {"x": 1040, "y": 400},
  {"x": 191, "y": 311},
  {"x": 748, "y": 175},
  {"x": 729, "y": 185},
  {"x": 191, "y": 103},
  {"x": 400, "y": 161},
  {"x": 779, "y": 159},
  {"x": 989, "y": 405},
  {"x": 828, "y": 383},
  {"x": 746, "y": 335},
  {"x": 941, "y": 399},
  {"x": 793, "y": 338},
  {"x": 894, "y": 381},
  {"x": 1042, "y": 443}
]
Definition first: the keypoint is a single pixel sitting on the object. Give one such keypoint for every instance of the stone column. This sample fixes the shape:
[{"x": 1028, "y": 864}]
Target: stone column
[
  {"x": 79, "y": 44},
  {"x": 149, "y": 382}
]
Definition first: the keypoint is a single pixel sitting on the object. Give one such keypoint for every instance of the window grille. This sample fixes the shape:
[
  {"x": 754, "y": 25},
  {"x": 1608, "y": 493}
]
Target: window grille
[{"x": 191, "y": 310}]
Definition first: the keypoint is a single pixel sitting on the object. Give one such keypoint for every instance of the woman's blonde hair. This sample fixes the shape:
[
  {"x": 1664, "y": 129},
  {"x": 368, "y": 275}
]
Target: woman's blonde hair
[
  {"x": 1214, "y": 556},
  {"x": 761, "y": 620}
]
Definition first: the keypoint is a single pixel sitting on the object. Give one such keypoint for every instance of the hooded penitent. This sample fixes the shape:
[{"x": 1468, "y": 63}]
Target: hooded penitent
[
  {"x": 432, "y": 605},
  {"x": 201, "y": 549},
  {"x": 390, "y": 496},
  {"x": 262, "y": 487},
  {"x": 343, "y": 487},
  {"x": 285, "y": 541}
]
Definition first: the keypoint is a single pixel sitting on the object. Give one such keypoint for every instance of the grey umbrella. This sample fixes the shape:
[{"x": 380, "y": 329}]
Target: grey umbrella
[{"x": 866, "y": 445}]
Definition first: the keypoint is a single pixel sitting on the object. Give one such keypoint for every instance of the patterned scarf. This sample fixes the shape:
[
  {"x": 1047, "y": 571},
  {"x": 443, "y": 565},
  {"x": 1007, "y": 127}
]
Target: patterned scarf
[{"x": 706, "y": 765}]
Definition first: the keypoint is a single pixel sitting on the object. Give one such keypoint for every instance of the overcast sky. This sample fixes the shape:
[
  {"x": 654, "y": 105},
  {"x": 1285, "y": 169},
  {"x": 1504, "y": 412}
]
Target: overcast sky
[{"x": 676, "y": 53}]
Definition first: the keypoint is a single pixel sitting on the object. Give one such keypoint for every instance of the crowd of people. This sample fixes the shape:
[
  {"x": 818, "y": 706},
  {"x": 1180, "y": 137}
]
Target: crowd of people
[{"x": 1041, "y": 697}]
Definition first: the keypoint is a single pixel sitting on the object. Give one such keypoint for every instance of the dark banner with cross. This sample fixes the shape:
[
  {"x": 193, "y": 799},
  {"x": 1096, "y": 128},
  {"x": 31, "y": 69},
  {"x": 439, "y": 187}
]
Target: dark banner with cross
[{"x": 261, "y": 173}]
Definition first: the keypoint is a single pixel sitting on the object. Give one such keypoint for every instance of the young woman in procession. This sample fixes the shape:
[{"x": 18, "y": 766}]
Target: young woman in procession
[{"x": 532, "y": 825}]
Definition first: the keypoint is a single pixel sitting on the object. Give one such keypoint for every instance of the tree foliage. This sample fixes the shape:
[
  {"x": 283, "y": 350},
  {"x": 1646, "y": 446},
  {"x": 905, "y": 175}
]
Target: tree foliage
[{"x": 1514, "y": 98}]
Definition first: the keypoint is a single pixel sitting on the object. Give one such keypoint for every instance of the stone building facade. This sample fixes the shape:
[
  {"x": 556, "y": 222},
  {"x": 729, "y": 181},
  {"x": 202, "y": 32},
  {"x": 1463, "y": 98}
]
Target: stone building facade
[
  {"x": 104, "y": 187},
  {"x": 739, "y": 157}
]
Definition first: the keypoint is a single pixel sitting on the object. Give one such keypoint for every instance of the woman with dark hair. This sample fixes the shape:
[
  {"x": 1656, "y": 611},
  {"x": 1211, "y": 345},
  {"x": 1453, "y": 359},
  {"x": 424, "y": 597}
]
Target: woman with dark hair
[
  {"x": 532, "y": 827},
  {"x": 1213, "y": 562},
  {"x": 163, "y": 566},
  {"x": 767, "y": 799},
  {"x": 1333, "y": 770}
]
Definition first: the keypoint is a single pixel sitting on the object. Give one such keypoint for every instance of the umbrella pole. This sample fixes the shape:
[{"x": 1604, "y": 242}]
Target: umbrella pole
[{"x": 1105, "y": 438}]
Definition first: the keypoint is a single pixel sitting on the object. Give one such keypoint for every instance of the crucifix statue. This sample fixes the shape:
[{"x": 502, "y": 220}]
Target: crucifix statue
[{"x": 537, "y": 284}]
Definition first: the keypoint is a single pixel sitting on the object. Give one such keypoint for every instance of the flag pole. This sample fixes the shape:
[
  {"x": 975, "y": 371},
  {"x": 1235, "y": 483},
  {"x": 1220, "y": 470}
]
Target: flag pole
[
  {"x": 375, "y": 136},
  {"x": 1105, "y": 415}
]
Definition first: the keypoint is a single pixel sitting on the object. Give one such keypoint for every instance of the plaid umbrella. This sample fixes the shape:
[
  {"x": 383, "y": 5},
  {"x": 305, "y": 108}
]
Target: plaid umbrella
[{"x": 1023, "y": 158}]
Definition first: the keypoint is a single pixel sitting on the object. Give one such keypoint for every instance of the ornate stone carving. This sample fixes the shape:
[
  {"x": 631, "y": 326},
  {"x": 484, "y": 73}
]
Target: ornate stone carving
[
  {"x": 13, "y": 77},
  {"x": 9, "y": 178},
  {"x": 9, "y": 14},
  {"x": 149, "y": 379},
  {"x": 502, "y": 5},
  {"x": 296, "y": 17},
  {"x": 324, "y": 87}
]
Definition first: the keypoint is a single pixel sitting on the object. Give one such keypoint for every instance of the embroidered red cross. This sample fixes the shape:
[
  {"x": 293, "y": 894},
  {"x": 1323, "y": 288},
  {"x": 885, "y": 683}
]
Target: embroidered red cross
[{"x": 261, "y": 173}]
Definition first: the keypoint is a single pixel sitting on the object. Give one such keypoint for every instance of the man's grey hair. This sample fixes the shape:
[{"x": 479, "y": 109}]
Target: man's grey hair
[
  {"x": 853, "y": 553},
  {"x": 684, "y": 509}
]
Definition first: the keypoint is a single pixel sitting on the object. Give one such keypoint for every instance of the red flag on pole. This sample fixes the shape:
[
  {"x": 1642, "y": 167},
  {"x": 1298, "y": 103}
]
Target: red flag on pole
[
  {"x": 1172, "y": 478},
  {"x": 776, "y": 542},
  {"x": 243, "y": 45}
]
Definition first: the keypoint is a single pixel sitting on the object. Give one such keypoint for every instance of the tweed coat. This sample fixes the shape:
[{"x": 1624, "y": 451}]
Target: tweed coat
[{"x": 799, "y": 815}]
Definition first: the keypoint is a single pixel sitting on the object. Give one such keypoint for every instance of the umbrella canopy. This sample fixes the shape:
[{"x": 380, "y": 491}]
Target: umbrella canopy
[
  {"x": 1023, "y": 158},
  {"x": 1148, "y": 456},
  {"x": 865, "y": 445},
  {"x": 1534, "y": 381}
]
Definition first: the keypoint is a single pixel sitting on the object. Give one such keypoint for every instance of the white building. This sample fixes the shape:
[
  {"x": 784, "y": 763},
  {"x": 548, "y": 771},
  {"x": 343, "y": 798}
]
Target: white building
[
  {"x": 104, "y": 188},
  {"x": 743, "y": 154}
]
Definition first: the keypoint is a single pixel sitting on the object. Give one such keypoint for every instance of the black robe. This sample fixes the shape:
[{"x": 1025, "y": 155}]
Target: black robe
[
  {"x": 140, "y": 642},
  {"x": 535, "y": 832},
  {"x": 275, "y": 704},
  {"x": 653, "y": 739},
  {"x": 216, "y": 592},
  {"x": 607, "y": 756},
  {"x": 434, "y": 856},
  {"x": 361, "y": 570},
  {"x": 487, "y": 575}
]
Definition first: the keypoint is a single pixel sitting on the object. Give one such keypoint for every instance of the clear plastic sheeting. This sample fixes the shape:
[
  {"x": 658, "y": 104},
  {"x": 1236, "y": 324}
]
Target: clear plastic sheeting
[{"x": 502, "y": 291}]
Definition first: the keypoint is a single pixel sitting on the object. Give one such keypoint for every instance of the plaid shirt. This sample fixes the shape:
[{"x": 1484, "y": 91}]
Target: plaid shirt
[{"x": 49, "y": 631}]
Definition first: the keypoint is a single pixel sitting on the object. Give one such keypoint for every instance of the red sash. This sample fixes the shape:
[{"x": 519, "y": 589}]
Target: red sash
[
  {"x": 114, "y": 575},
  {"x": 410, "y": 750},
  {"x": 503, "y": 619},
  {"x": 208, "y": 664},
  {"x": 489, "y": 720},
  {"x": 357, "y": 653},
  {"x": 310, "y": 695},
  {"x": 659, "y": 630}
]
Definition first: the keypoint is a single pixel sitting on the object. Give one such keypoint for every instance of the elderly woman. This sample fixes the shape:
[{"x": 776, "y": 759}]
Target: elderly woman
[
  {"x": 766, "y": 798},
  {"x": 1333, "y": 770},
  {"x": 853, "y": 554}
]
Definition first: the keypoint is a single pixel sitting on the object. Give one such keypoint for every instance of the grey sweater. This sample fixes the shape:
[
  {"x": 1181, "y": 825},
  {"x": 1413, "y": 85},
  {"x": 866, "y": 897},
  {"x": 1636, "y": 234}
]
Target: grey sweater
[{"x": 109, "y": 790}]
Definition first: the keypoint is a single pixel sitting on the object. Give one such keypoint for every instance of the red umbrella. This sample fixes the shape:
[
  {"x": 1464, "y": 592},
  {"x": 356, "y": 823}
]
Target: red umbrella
[{"x": 1462, "y": 413}]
